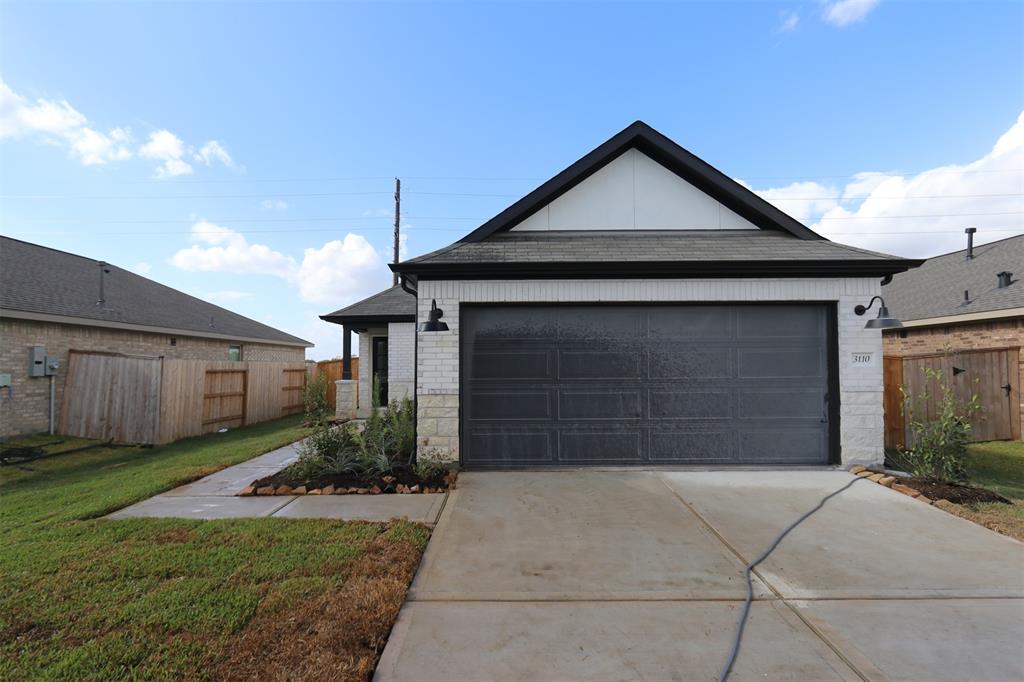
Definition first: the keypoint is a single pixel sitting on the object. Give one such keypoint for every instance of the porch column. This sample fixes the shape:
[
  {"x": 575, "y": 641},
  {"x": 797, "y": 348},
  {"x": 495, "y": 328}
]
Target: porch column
[{"x": 346, "y": 353}]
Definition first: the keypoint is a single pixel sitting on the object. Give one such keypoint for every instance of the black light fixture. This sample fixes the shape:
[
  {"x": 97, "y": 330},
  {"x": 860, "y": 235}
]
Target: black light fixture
[
  {"x": 434, "y": 323},
  {"x": 883, "y": 321}
]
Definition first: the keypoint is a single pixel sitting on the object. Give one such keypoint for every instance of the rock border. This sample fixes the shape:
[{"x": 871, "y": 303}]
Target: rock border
[
  {"x": 884, "y": 479},
  {"x": 398, "y": 489}
]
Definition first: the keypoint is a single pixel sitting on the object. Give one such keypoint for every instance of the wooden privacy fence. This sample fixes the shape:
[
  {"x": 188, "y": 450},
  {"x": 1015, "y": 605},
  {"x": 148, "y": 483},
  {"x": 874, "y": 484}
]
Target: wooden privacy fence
[
  {"x": 332, "y": 368},
  {"x": 137, "y": 399},
  {"x": 992, "y": 375}
]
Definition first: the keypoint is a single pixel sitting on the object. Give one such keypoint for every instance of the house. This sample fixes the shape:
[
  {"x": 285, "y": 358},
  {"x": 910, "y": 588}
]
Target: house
[
  {"x": 53, "y": 303},
  {"x": 386, "y": 324},
  {"x": 962, "y": 313},
  {"x": 643, "y": 308}
]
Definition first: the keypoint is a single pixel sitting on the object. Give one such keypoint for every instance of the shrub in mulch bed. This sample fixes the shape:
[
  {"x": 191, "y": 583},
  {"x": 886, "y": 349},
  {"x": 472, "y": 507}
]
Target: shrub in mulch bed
[
  {"x": 401, "y": 482},
  {"x": 953, "y": 492}
]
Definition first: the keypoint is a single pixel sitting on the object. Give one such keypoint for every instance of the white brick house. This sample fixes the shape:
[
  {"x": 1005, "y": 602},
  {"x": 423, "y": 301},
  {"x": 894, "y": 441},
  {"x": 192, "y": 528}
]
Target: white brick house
[{"x": 641, "y": 308}]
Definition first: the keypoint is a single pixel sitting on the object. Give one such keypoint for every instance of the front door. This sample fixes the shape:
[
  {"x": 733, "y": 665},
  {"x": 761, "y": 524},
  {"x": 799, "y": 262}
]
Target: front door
[{"x": 380, "y": 369}]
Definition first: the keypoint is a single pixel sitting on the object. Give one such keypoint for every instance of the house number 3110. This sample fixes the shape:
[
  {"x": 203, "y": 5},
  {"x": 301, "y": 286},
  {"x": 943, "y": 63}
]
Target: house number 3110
[{"x": 861, "y": 359}]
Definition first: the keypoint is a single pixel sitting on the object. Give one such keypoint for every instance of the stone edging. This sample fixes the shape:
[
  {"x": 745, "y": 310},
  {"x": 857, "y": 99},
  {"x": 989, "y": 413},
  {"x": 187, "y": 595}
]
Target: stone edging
[
  {"x": 251, "y": 490},
  {"x": 884, "y": 479}
]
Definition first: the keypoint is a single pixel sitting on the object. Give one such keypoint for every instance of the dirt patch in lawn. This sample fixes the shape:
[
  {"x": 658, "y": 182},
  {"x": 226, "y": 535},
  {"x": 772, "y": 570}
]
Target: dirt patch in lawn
[
  {"x": 1000, "y": 518},
  {"x": 952, "y": 492},
  {"x": 336, "y": 635}
]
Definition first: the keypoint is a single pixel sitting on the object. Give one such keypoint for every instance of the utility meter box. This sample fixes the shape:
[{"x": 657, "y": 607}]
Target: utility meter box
[
  {"x": 5, "y": 380},
  {"x": 52, "y": 365},
  {"x": 37, "y": 361}
]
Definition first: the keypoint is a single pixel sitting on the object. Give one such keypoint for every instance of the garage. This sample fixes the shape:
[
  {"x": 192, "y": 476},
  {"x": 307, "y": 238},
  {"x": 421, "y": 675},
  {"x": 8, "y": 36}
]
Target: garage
[{"x": 615, "y": 385}]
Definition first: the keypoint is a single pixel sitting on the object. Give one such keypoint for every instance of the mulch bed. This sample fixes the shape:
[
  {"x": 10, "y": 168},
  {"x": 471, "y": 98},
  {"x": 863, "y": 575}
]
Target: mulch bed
[
  {"x": 402, "y": 481},
  {"x": 953, "y": 492}
]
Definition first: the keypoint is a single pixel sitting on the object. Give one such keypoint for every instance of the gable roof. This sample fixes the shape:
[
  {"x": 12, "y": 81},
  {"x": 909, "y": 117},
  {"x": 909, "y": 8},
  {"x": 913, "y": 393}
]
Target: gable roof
[
  {"x": 391, "y": 305},
  {"x": 37, "y": 282},
  {"x": 646, "y": 139},
  {"x": 777, "y": 245},
  {"x": 936, "y": 289}
]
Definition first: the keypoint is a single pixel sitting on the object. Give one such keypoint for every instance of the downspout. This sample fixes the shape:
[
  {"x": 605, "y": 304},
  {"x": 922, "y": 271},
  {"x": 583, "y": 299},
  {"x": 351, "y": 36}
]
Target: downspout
[
  {"x": 415, "y": 364},
  {"x": 51, "y": 404}
]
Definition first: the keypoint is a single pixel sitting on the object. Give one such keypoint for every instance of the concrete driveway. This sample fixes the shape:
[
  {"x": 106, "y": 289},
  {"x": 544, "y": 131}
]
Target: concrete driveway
[{"x": 615, "y": 575}]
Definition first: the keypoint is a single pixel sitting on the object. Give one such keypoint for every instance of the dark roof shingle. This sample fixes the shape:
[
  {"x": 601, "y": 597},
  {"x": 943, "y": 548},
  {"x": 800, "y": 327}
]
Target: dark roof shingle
[
  {"x": 37, "y": 279},
  {"x": 936, "y": 289},
  {"x": 391, "y": 305}
]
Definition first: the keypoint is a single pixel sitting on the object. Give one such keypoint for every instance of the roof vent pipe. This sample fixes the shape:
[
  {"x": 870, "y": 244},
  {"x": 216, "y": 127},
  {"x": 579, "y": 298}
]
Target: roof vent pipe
[
  {"x": 1005, "y": 279},
  {"x": 970, "y": 241},
  {"x": 104, "y": 269}
]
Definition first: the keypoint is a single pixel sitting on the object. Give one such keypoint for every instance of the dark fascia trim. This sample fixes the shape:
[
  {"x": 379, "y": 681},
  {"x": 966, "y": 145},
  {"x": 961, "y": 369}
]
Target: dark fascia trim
[
  {"x": 646, "y": 139},
  {"x": 656, "y": 269},
  {"x": 364, "y": 321}
]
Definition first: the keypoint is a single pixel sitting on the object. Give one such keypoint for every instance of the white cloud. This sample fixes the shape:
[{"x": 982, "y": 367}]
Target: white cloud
[
  {"x": 919, "y": 214},
  {"x": 273, "y": 204},
  {"x": 214, "y": 151},
  {"x": 339, "y": 272},
  {"x": 166, "y": 147},
  {"x": 844, "y": 12},
  {"x": 57, "y": 122},
  {"x": 228, "y": 251},
  {"x": 141, "y": 268},
  {"x": 790, "y": 20}
]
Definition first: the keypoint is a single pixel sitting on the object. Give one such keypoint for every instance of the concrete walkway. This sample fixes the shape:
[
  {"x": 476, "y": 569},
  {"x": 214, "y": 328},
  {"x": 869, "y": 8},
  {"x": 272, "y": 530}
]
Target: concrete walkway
[
  {"x": 605, "y": 575},
  {"x": 214, "y": 497}
]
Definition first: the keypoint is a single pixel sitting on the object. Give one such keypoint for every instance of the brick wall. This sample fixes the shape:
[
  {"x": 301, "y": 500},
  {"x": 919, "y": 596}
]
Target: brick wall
[
  {"x": 25, "y": 409},
  {"x": 861, "y": 428},
  {"x": 993, "y": 335},
  {"x": 401, "y": 354}
]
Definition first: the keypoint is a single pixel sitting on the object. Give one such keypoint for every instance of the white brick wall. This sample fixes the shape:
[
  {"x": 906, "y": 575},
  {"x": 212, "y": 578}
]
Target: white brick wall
[
  {"x": 401, "y": 358},
  {"x": 861, "y": 427}
]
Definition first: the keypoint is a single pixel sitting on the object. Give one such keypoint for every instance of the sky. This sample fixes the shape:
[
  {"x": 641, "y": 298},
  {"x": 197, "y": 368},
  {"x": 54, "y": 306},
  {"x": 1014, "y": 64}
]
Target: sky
[{"x": 246, "y": 153}]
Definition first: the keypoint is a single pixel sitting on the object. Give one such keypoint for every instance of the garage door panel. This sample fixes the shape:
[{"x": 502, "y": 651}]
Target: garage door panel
[
  {"x": 710, "y": 322},
  {"x": 691, "y": 405},
  {"x": 512, "y": 365},
  {"x": 588, "y": 447},
  {"x": 577, "y": 405},
  {"x": 506, "y": 405},
  {"x": 512, "y": 448},
  {"x": 780, "y": 363},
  {"x": 692, "y": 447},
  {"x": 780, "y": 322},
  {"x": 687, "y": 362},
  {"x": 795, "y": 403},
  {"x": 782, "y": 446},
  {"x": 668, "y": 384},
  {"x": 603, "y": 364}
]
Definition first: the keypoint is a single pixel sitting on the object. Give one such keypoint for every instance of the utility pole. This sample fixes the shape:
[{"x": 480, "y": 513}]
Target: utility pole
[{"x": 398, "y": 210}]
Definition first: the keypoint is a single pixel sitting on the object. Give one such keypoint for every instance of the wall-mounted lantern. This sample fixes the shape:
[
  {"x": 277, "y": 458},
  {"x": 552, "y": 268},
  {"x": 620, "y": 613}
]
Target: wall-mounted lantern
[
  {"x": 883, "y": 321},
  {"x": 434, "y": 323}
]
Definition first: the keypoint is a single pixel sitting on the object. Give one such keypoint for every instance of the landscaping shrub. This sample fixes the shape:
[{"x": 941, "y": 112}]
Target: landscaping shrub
[
  {"x": 314, "y": 398},
  {"x": 386, "y": 443},
  {"x": 939, "y": 443}
]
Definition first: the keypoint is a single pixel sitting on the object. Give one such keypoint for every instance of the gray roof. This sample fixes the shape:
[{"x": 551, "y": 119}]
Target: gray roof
[
  {"x": 936, "y": 289},
  {"x": 391, "y": 305},
  {"x": 43, "y": 281},
  {"x": 639, "y": 246}
]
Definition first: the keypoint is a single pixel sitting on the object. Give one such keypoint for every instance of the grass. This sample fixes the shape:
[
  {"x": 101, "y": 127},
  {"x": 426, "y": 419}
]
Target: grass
[
  {"x": 998, "y": 466},
  {"x": 83, "y": 597}
]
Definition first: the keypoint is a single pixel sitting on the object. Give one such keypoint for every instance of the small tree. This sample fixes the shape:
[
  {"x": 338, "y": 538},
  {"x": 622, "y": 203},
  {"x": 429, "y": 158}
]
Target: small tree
[
  {"x": 314, "y": 398},
  {"x": 939, "y": 444}
]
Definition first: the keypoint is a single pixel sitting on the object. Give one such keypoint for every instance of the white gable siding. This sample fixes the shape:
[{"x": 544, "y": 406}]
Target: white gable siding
[{"x": 634, "y": 192}]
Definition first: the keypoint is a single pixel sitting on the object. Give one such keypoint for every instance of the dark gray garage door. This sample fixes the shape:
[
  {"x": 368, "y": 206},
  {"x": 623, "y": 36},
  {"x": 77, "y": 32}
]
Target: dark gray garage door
[{"x": 613, "y": 385}]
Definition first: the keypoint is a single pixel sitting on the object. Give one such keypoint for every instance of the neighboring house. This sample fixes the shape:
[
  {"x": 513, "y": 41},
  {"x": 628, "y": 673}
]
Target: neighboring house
[
  {"x": 386, "y": 326},
  {"x": 51, "y": 300},
  {"x": 962, "y": 313},
  {"x": 643, "y": 308}
]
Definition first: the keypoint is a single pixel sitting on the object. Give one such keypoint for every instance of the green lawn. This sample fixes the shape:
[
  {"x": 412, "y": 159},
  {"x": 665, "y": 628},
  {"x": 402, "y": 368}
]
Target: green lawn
[
  {"x": 85, "y": 597},
  {"x": 998, "y": 466}
]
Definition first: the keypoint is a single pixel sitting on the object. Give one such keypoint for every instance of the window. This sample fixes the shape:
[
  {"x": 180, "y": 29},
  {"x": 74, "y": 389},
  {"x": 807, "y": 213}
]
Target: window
[
  {"x": 174, "y": 341},
  {"x": 235, "y": 353}
]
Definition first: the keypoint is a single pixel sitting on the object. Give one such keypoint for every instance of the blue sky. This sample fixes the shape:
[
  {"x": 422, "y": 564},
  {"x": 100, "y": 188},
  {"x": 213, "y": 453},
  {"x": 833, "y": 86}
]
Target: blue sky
[{"x": 245, "y": 152}]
